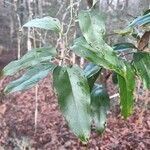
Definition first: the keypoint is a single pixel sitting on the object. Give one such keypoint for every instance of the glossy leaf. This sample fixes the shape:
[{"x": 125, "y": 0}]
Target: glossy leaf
[
  {"x": 32, "y": 76},
  {"x": 92, "y": 72},
  {"x": 74, "y": 99},
  {"x": 105, "y": 58},
  {"x": 94, "y": 49},
  {"x": 141, "y": 20},
  {"x": 142, "y": 65},
  {"x": 93, "y": 28},
  {"x": 123, "y": 46},
  {"x": 126, "y": 89},
  {"x": 100, "y": 105},
  {"x": 47, "y": 23},
  {"x": 146, "y": 12},
  {"x": 31, "y": 58}
]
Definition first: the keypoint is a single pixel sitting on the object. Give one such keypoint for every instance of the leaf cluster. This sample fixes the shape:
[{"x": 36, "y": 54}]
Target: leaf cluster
[{"x": 80, "y": 98}]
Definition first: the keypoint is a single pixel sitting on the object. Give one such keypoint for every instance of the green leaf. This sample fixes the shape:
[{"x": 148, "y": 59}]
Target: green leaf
[
  {"x": 142, "y": 65},
  {"x": 91, "y": 69},
  {"x": 92, "y": 72},
  {"x": 73, "y": 95},
  {"x": 94, "y": 49},
  {"x": 32, "y": 76},
  {"x": 31, "y": 58},
  {"x": 140, "y": 21},
  {"x": 47, "y": 23},
  {"x": 146, "y": 12},
  {"x": 126, "y": 89},
  {"x": 124, "y": 32},
  {"x": 104, "y": 58},
  {"x": 100, "y": 106},
  {"x": 123, "y": 46},
  {"x": 136, "y": 36},
  {"x": 93, "y": 28}
]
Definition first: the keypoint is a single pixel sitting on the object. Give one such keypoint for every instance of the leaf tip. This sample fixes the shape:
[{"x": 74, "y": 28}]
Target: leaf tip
[{"x": 84, "y": 139}]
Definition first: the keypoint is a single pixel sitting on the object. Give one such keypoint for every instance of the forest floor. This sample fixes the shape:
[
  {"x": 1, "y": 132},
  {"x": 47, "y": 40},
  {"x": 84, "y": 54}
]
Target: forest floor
[{"x": 18, "y": 130}]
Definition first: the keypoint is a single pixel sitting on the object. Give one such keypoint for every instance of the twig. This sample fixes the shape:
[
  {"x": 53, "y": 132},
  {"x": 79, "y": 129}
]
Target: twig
[
  {"x": 36, "y": 109},
  {"x": 114, "y": 96}
]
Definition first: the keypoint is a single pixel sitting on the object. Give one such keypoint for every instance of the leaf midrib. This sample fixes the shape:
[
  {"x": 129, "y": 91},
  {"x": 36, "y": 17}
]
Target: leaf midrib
[{"x": 79, "y": 124}]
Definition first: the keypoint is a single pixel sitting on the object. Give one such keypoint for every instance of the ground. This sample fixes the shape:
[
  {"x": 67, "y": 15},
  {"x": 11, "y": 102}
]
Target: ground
[{"x": 17, "y": 125}]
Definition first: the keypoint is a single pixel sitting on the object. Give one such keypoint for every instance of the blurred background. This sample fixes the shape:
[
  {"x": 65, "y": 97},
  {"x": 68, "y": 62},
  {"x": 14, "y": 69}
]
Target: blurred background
[
  {"x": 14, "y": 41},
  {"x": 18, "y": 118}
]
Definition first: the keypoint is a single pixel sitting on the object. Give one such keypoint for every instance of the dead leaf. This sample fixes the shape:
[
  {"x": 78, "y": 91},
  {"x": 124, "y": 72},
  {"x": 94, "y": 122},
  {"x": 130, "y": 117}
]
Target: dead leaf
[{"x": 142, "y": 44}]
